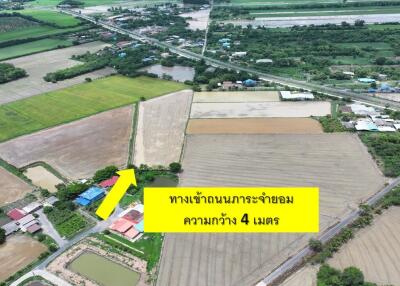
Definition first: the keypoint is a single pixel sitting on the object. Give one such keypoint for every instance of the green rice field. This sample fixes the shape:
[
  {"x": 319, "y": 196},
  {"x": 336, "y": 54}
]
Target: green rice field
[
  {"x": 54, "y": 108},
  {"x": 104, "y": 271},
  {"x": 59, "y": 19},
  {"x": 32, "y": 47},
  {"x": 34, "y": 32}
]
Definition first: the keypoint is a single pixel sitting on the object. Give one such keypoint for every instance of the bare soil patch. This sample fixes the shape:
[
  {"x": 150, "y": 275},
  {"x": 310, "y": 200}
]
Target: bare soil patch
[
  {"x": 199, "y": 19},
  {"x": 37, "y": 68},
  {"x": 41, "y": 177},
  {"x": 12, "y": 188},
  {"x": 77, "y": 149},
  {"x": 337, "y": 163},
  {"x": 18, "y": 252},
  {"x": 236, "y": 96},
  {"x": 389, "y": 96},
  {"x": 254, "y": 126},
  {"x": 161, "y": 129},
  {"x": 306, "y": 276},
  {"x": 375, "y": 250},
  {"x": 260, "y": 109}
]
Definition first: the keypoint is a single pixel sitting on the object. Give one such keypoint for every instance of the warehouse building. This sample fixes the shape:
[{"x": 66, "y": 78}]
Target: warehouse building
[{"x": 288, "y": 95}]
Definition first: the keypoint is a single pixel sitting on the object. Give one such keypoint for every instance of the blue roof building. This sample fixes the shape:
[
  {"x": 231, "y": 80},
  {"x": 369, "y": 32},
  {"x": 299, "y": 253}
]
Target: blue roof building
[
  {"x": 91, "y": 195},
  {"x": 249, "y": 83}
]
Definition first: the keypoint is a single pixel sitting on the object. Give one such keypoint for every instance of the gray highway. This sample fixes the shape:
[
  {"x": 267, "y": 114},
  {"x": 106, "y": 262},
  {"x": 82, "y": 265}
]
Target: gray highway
[{"x": 362, "y": 98}]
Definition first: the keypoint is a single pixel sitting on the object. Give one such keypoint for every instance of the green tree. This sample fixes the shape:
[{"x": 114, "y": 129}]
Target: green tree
[
  {"x": 105, "y": 174},
  {"x": 175, "y": 167},
  {"x": 2, "y": 236},
  {"x": 352, "y": 276},
  {"x": 315, "y": 245}
]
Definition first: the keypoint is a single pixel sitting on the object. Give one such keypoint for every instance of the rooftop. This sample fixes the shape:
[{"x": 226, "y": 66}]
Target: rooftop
[
  {"x": 109, "y": 183},
  {"x": 16, "y": 214},
  {"x": 92, "y": 193}
]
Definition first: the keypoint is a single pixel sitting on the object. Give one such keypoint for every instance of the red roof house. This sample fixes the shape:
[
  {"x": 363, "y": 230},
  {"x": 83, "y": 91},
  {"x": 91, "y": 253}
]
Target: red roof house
[
  {"x": 121, "y": 225},
  {"x": 133, "y": 216},
  {"x": 109, "y": 183},
  {"x": 34, "y": 228},
  {"x": 132, "y": 233},
  {"x": 16, "y": 214}
]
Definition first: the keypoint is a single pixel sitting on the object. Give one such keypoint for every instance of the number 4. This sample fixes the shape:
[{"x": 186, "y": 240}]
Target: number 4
[{"x": 245, "y": 219}]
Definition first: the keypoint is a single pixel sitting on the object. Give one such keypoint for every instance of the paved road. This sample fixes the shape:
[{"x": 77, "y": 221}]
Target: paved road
[
  {"x": 42, "y": 273},
  {"x": 363, "y": 98},
  {"x": 330, "y": 233}
]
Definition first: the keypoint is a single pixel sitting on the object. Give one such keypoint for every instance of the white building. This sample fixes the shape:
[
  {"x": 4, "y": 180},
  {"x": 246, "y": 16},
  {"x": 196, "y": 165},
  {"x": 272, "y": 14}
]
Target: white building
[
  {"x": 288, "y": 95},
  {"x": 264, "y": 61},
  {"x": 239, "y": 54},
  {"x": 32, "y": 207},
  {"x": 360, "y": 109}
]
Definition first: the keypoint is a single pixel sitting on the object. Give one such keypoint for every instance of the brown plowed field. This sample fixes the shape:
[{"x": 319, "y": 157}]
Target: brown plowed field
[
  {"x": 337, "y": 163},
  {"x": 375, "y": 250},
  {"x": 12, "y": 188},
  {"x": 76, "y": 149},
  {"x": 254, "y": 126},
  {"x": 236, "y": 96},
  {"x": 18, "y": 251},
  {"x": 160, "y": 129}
]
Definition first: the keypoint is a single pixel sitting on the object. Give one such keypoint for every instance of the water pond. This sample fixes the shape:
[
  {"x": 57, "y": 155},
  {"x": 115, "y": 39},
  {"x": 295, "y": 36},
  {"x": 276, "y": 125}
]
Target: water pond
[{"x": 103, "y": 271}]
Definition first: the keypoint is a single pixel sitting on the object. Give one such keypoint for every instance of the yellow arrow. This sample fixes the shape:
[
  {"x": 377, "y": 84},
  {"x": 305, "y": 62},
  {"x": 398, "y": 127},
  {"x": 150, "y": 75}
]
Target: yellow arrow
[{"x": 126, "y": 178}]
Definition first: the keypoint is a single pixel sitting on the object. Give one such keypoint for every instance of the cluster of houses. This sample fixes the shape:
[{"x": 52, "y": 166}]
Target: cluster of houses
[
  {"x": 25, "y": 219},
  {"x": 130, "y": 223},
  {"x": 230, "y": 85},
  {"x": 369, "y": 119}
]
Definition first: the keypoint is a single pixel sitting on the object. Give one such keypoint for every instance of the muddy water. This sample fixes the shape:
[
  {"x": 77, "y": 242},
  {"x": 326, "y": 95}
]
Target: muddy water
[
  {"x": 179, "y": 73},
  {"x": 105, "y": 272}
]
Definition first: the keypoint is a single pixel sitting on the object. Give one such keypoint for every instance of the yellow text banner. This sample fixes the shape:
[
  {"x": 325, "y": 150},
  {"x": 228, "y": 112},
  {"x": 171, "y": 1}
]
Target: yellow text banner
[{"x": 225, "y": 209}]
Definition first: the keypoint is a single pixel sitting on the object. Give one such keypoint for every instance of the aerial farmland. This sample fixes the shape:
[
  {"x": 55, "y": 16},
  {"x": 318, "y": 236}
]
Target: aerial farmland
[
  {"x": 58, "y": 59},
  {"x": 161, "y": 128},
  {"x": 259, "y": 109},
  {"x": 380, "y": 264},
  {"x": 111, "y": 139},
  {"x": 329, "y": 161},
  {"x": 11, "y": 187}
]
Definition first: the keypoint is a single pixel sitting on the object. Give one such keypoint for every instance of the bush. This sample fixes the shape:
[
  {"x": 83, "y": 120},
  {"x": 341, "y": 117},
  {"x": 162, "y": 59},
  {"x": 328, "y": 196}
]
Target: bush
[
  {"x": 315, "y": 245},
  {"x": 175, "y": 167},
  {"x": 53, "y": 248},
  {"x": 105, "y": 174},
  {"x": 41, "y": 237},
  {"x": 2, "y": 236}
]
